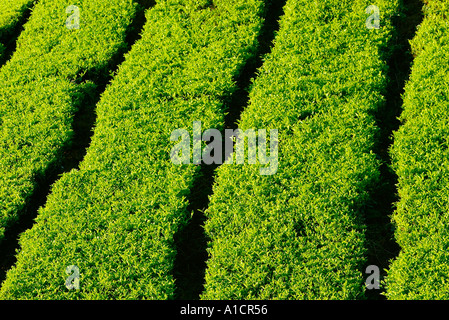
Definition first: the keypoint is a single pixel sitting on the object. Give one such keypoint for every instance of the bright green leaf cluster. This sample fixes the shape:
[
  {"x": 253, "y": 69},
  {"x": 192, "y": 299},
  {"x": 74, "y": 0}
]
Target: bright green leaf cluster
[
  {"x": 115, "y": 217},
  {"x": 420, "y": 157},
  {"x": 300, "y": 234},
  {"x": 11, "y": 14}
]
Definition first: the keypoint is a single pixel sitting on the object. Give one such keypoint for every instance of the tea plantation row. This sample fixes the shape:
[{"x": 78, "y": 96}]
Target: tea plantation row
[
  {"x": 12, "y": 13},
  {"x": 297, "y": 234},
  {"x": 115, "y": 217},
  {"x": 421, "y": 160},
  {"x": 300, "y": 233},
  {"x": 41, "y": 91}
]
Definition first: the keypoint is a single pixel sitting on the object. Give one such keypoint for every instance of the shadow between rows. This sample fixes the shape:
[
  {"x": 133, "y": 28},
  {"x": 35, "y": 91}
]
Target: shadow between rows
[
  {"x": 382, "y": 247},
  {"x": 191, "y": 241}
]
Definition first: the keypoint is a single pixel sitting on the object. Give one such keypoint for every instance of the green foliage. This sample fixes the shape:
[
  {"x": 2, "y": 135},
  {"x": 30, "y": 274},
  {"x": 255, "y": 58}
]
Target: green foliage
[
  {"x": 300, "y": 234},
  {"x": 47, "y": 48},
  {"x": 115, "y": 217},
  {"x": 30, "y": 136},
  {"x": 420, "y": 159},
  {"x": 41, "y": 88},
  {"x": 11, "y": 14}
]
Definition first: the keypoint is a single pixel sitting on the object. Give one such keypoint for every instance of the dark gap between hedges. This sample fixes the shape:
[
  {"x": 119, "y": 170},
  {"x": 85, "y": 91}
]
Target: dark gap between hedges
[
  {"x": 70, "y": 156},
  {"x": 191, "y": 241},
  {"x": 10, "y": 37},
  {"x": 382, "y": 247}
]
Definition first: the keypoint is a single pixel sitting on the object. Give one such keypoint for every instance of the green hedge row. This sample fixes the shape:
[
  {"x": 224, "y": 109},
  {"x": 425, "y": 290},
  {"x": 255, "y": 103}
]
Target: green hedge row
[
  {"x": 42, "y": 88},
  {"x": 47, "y": 48},
  {"x": 11, "y": 14},
  {"x": 420, "y": 157},
  {"x": 115, "y": 217},
  {"x": 300, "y": 233}
]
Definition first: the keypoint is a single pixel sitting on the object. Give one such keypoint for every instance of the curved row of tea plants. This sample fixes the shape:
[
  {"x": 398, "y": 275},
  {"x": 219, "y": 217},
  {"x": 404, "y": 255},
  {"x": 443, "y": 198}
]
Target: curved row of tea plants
[
  {"x": 11, "y": 14},
  {"x": 299, "y": 233},
  {"x": 420, "y": 157},
  {"x": 115, "y": 217},
  {"x": 41, "y": 89}
]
